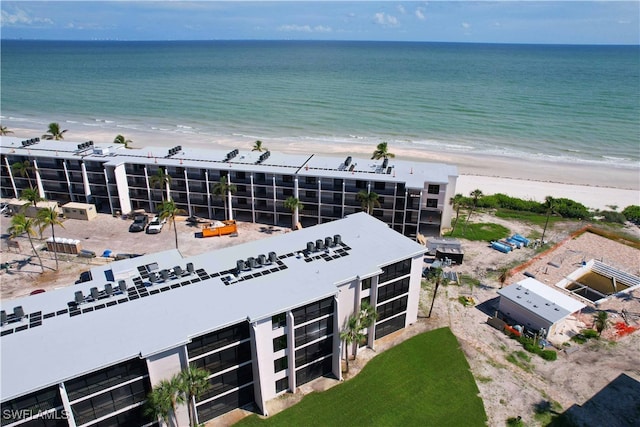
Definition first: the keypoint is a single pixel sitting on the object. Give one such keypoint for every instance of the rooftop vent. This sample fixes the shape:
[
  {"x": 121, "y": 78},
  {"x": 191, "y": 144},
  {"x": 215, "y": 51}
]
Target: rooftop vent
[
  {"x": 328, "y": 242},
  {"x": 311, "y": 247},
  {"x": 85, "y": 145},
  {"x": 262, "y": 259},
  {"x": 273, "y": 257},
  {"x": 240, "y": 265},
  {"x": 320, "y": 244},
  {"x": 3, "y": 317},
  {"x": 28, "y": 142},
  {"x": 252, "y": 262},
  {"x": 264, "y": 156},
  {"x": 337, "y": 239},
  {"x": 174, "y": 150},
  {"x": 385, "y": 162},
  {"x": 347, "y": 161},
  {"x": 231, "y": 154}
]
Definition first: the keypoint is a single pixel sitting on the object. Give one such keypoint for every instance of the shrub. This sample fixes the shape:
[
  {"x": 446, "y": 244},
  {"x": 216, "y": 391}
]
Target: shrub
[
  {"x": 611, "y": 216},
  {"x": 549, "y": 354},
  {"x": 632, "y": 213},
  {"x": 589, "y": 333}
]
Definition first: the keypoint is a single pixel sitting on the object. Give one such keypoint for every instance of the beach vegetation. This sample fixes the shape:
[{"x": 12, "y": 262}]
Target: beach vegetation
[
  {"x": 352, "y": 333},
  {"x": 382, "y": 152},
  {"x": 31, "y": 196},
  {"x": 162, "y": 180},
  {"x": 54, "y": 132},
  {"x": 169, "y": 210},
  {"x": 224, "y": 189},
  {"x": 416, "y": 377},
  {"x": 457, "y": 202},
  {"x": 475, "y": 195},
  {"x": 436, "y": 274},
  {"x": 23, "y": 169},
  {"x": 600, "y": 321},
  {"x": 483, "y": 232},
  {"x": 49, "y": 218},
  {"x": 120, "y": 139},
  {"x": 4, "y": 130},
  {"x": 549, "y": 205},
  {"x": 21, "y": 224},
  {"x": 368, "y": 200},
  {"x": 257, "y": 146},
  {"x": 632, "y": 213},
  {"x": 295, "y": 206},
  {"x": 612, "y": 217}
]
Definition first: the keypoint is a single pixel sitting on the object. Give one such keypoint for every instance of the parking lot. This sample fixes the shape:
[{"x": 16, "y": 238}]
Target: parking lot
[{"x": 104, "y": 233}]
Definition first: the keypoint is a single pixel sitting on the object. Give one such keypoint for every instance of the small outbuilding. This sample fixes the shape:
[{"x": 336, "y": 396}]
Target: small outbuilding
[
  {"x": 537, "y": 306},
  {"x": 23, "y": 206},
  {"x": 445, "y": 248},
  {"x": 75, "y": 210}
]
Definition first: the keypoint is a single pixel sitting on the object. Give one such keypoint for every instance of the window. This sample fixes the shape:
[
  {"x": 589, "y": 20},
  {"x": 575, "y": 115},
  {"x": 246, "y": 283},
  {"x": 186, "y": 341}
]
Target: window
[
  {"x": 313, "y": 371},
  {"x": 287, "y": 192},
  {"x": 393, "y": 289},
  {"x": 218, "y": 339},
  {"x": 227, "y": 381},
  {"x": 39, "y": 401},
  {"x": 393, "y": 271},
  {"x": 105, "y": 378},
  {"x": 110, "y": 401},
  {"x": 432, "y": 203},
  {"x": 378, "y": 185},
  {"x": 287, "y": 178},
  {"x": 225, "y": 358},
  {"x": 279, "y": 343},
  {"x": 392, "y": 308},
  {"x": 282, "y": 385},
  {"x": 240, "y": 175},
  {"x": 314, "y": 351},
  {"x": 260, "y": 177},
  {"x": 226, "y": 403},
  {"x": 366, "y": 283},
  {"x": 280, "y": 364},
  {"x": 279, "y": 321},
  {"x": 361, "y": 184},
  {"x": 433, "y": 189},
  {"x": 310, "y": 194},
  {"x": 313, "y": 310},
  {"x": 365, "y": 300},
  {"x": 313, "y": 331},
  {"x": 392, "y": 325}
]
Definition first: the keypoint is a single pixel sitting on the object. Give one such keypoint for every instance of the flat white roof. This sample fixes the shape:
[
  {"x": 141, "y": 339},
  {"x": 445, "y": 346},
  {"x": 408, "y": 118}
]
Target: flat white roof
[
  {"x": 541, "y": 299},
  {"x": 413, "y": 173},
  {"x": 51, "y": 345}
]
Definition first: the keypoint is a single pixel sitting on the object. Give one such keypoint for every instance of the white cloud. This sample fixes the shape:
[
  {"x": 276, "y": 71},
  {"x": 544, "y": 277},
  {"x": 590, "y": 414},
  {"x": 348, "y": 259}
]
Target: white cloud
[
  {"x": 19, "y": 17},
  {"x": 465, "y": 25},
  {"x": 305, "y": 28},
  {"x": 401, "y": 9},
  {"x": 384, "y": 19},
  {"x": 420, "y": 13}
]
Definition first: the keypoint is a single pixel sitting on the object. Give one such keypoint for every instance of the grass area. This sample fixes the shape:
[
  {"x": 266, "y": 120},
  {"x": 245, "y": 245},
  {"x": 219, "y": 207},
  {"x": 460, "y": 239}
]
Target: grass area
[
  {"x": 481, "y": 232},
  {"x": 529, "y": 217},
  {"x": 423, "y": 381}
]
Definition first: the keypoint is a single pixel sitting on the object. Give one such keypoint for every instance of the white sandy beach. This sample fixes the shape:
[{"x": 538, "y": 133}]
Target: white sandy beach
[{"x": 596, "y": 186}]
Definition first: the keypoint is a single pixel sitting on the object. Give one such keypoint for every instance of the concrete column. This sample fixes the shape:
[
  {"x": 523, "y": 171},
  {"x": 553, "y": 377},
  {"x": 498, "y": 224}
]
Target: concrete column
[
  {"x": 253, "y": 199},
  {"x": 85, "y": 181},
  {"x": 291, "y": 352},
  {"x": 186, "y": 184},
  {"x": 38, "y": 179},
  {"x": 106, "y": 180},
  {"x": 10, "y": 172},
  {"x": 66, "y": 176},
  {"x": 373, "y": 297},
  {"x": 67, "y": 406},
  {"x": 146, "y": 180},
  {"x": 257, "y": 380},
  {"x": 163, "y": 366}
]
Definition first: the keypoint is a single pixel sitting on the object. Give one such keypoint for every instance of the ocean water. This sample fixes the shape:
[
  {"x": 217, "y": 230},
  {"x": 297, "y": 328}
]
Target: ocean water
[{"x": 570, "y": 103}]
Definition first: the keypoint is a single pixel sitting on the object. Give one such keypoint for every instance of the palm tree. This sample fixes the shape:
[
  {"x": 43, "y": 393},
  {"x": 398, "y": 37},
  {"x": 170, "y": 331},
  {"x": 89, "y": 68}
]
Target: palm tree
[
  {"x": 49, "y": 217},
  {"x": 21, "y": 224},
  {"x": 224, "y": 189},
  {"x": 32, "y": 196},
  {"x": 382, "y": 152},
  {"x": 600, "y": 321},
  {"x": 457, "y": 202},
  {"x": 163, "y": 400},
  {"x": 258, "y": 146},
  {"x": 294, "y": 205},
  {"x": 438, "y": 277},
  {"x": 351, "y": 334},
  {"x": 368, "y": 200},
  {"x": 120, "y": 139},
  {"x": 54, "y": 132},
  {"x": 475, "y": 195},
  {"x": 549, "y": 203},
  {"x": 4, "y": 130},
  {"x": 169, "y": 210},
  {"x": 367, "y": 316},
  {"x": 193, "y": 383},
  {"x": 504, "y": 275},
  {"x": 22, "y": 169},
  {"x": 162, "y": 180}
]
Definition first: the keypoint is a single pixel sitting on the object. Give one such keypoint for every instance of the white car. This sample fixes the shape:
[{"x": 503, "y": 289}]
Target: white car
[{"x": 155, "y": 226}]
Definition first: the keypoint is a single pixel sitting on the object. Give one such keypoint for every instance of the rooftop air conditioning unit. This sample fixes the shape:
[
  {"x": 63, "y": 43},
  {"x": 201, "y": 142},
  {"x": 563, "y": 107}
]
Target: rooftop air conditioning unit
[{"x": 101, "y": 151}]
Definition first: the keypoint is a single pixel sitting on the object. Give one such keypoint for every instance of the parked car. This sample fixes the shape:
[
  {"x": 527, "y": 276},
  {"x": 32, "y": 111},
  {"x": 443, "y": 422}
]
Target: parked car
[
  {"x": 139, "y": 223},
  {"x": 155, "y": 226},
  {"x": 4, "y": 208}
]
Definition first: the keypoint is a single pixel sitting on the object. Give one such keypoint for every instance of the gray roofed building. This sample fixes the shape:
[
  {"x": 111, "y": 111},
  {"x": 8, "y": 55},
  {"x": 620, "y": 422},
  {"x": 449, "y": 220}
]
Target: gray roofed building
[{"x": 171, "y": 307}]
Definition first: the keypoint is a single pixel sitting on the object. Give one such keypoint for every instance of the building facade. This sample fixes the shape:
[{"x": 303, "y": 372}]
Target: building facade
[
  {"x": 262, "y": 318},
  {"x": 412, "y": 196}
]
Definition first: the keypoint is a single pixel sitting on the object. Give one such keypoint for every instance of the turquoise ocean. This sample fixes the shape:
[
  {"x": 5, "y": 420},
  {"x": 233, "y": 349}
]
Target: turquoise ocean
[{"x": 538, "y": 102}]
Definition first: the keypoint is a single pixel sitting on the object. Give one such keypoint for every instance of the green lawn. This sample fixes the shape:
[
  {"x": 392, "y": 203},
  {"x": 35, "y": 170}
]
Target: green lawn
[
  {"x": 480, "y": 232},
  {"x": 424, "y": 381}
]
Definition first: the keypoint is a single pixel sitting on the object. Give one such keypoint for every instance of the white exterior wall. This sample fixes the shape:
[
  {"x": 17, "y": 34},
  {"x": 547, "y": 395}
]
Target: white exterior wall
[
  {"x": 414, "y": 290},
  {"x": 163, "y": 366},
  {"x": 263, "y": 376},
  {"x": 123, "y": 188},
  {"x": 523, "y": 316},
  {"x": 447, "y": 209}
]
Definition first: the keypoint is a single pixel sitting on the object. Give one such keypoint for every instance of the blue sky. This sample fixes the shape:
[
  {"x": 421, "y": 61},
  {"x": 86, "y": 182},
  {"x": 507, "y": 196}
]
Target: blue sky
[{"x": 570, "y": 22}]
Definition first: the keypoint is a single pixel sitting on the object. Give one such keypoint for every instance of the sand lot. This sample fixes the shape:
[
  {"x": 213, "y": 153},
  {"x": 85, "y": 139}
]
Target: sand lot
[{"x": 506, "y": 389}]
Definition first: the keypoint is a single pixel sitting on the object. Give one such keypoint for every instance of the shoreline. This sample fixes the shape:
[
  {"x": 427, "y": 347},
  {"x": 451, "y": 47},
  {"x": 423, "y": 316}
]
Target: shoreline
[{"x": 597, "y": 186}]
